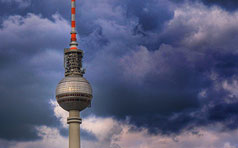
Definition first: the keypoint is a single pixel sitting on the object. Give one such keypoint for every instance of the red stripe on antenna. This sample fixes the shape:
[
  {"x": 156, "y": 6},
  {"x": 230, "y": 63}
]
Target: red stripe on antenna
[
  {"x": 73, "y": 37},
  {"x": 73, "y": 10},
  {"x": 73, "y": 24}
]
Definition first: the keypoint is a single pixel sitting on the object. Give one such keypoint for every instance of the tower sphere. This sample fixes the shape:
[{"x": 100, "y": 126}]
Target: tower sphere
[{"x": 74, "y": 93}]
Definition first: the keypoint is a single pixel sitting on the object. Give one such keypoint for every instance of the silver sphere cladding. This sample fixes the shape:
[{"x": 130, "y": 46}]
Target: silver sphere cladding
[{"x": 74, "y": 93}]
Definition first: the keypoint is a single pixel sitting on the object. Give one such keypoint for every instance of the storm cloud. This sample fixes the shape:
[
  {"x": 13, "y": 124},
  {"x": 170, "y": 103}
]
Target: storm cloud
[
  {"x": 24, "y": 98},
  {"x": 158, "y": 65},
  {"x": 175, "y": 86}
]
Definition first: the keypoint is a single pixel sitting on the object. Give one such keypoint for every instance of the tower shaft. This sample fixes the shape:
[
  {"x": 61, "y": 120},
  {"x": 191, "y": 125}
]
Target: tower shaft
[
  {"x": 74, "y": 122},
  {"x": 73, "y": 67}
]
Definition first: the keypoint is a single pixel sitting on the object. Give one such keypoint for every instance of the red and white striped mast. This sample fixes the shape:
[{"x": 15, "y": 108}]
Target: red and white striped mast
[{"x": 73, "y": 43}]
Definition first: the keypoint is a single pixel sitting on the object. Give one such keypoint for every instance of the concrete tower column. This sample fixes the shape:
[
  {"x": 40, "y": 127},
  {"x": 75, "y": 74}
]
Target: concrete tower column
[{"x": 74, "y": 122}]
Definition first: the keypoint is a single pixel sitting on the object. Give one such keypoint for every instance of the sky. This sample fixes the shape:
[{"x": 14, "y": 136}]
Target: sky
[{"x": 164, "y": 73}]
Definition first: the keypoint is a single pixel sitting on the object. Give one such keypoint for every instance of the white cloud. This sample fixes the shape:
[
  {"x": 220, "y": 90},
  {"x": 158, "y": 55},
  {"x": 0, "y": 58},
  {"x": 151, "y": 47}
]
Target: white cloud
[
  {"x": 138, "y": 63},
  {"x": 228, "y": 145},
  {"x": 60, "y": 113},
  {"x": 204, "y": 27},
  {"x": 37, "y": 42},
  {"x": 21, "y": 3},
  {"x": 205, "y": 138},
  {"x": 113, "y": 134},
  {"x": 232, "y": 87},
  {"x": 33, "y": 32},
  {"x": 121, "y": 135},
  {"x": 51, "y": 138},
  {"x": 104, "y": 129}
]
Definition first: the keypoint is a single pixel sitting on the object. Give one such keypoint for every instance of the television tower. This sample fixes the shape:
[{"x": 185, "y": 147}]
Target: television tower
[{"x": 73, "y": 93}]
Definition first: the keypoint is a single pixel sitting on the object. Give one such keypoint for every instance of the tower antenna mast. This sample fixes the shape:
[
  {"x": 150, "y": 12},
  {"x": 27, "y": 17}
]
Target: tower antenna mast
[{"x": 73, "y": 43}]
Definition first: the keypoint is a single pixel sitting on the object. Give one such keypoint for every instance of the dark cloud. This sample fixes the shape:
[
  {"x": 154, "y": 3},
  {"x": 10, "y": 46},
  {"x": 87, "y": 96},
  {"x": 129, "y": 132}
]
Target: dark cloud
[
  {"x": 152, "y": 100},
  {"x": 169, "y": 102},
  {"x": 229, "y": 5},
  {"x": 147, "y": 66},
  {"x": 151, "y": 14},
  {"x": 25, "y": 85},
  {"x": 24, "y": 104},
  {"x": 174, "y": 87}
]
